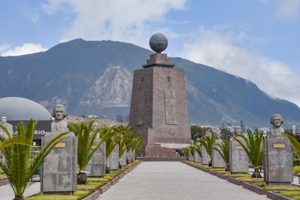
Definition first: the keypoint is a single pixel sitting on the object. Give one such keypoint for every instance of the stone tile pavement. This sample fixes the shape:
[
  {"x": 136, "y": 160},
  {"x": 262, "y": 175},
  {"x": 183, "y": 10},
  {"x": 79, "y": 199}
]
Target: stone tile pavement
[{"x": 175, "y": 181}]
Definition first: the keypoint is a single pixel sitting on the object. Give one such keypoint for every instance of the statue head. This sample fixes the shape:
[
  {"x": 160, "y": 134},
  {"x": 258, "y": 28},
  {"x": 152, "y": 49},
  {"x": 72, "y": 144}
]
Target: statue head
[
  {"x": 3, "y": 119},
  {"x": 59, "y": 112},
  {"x": 276, "y": 120},
  {"x": 94, "y": 125},
  {"x": 237, "y": 130}
]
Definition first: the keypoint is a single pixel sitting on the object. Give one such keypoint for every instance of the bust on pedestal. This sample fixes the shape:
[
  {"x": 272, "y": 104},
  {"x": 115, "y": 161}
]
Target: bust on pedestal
[
  {"x": 238, "y": 158},
  {"x": 97, "y": 164},
  {"x": 217, "y": 160},
  {"x": 278, "y": 154},
  {"x": 59, "y": 172}
]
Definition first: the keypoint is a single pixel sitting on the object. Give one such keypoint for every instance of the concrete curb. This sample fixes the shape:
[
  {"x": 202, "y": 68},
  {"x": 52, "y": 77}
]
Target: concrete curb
[
  {"x": 93, "y": 196},
  {"x": 246, "y": 184},
  {"x": 254, "y": 188},
  {"x": 275, "y": 196}
]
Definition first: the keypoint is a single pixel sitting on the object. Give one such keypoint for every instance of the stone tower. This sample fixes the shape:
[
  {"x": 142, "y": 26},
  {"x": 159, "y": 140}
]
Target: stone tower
[{"x": 158, "y": 109}]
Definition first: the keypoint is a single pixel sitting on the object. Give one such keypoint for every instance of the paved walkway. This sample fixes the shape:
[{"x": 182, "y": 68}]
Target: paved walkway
[{"x": 175, "y": 181}]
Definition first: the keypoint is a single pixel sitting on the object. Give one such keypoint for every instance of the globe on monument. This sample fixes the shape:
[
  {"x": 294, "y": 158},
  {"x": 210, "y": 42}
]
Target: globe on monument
[{"x": 158, "y": 42}]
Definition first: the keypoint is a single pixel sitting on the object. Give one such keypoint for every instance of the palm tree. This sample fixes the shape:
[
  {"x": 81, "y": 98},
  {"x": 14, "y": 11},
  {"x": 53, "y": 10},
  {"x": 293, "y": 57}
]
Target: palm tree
[
  {"x": 295, "y": 143},
  {"x": 208, "y": 142},
  {"x": 223, "y": 150},
  {"x": 86, "y": 147},
  {"x": 253, "y": 146},
  {"x": 19, "y": 165}
]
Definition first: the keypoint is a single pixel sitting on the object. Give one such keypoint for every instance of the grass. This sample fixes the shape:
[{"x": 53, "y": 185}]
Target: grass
[
  {"x": 94, "y": 183},
  {"x": 291, "y": 194}
]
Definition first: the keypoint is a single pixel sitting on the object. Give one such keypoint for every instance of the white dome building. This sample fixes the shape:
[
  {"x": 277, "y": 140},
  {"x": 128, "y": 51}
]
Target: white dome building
[{"x": 21, "y": 109}]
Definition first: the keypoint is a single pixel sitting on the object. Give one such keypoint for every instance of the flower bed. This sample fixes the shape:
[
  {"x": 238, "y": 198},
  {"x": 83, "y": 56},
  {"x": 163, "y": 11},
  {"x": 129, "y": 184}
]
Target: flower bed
[
  {"x": 284, "y": 192},
  {"x": 94, "y": 188}
]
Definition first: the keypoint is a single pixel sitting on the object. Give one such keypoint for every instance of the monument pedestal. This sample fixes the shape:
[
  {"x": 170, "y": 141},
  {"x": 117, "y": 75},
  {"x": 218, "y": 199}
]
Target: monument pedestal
[
  {"x": 238, "y": 158},
  {"x": 197, "y": 157},
  {"x": 113, "y": 161},
  {"x": 97, "y": 164},
  {"x": 59, "y": 172},
  {"x": 278, "y": 160},
  {"x": 205, "y": 157},
  {"x": 217, "y": 160}
]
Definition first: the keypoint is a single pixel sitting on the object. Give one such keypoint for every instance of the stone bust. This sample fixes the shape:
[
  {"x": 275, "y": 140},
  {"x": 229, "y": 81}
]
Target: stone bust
[
  {"x": 7, "y": 125},
  {"x": 59, "y": 124},
  {"x": 237, "y": 131},
  {"x": 277, "y": 121}
]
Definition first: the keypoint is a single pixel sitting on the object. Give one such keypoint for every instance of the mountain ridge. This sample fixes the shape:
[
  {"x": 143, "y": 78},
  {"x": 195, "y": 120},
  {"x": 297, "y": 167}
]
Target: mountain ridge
[{"x": 68, "y": 73}]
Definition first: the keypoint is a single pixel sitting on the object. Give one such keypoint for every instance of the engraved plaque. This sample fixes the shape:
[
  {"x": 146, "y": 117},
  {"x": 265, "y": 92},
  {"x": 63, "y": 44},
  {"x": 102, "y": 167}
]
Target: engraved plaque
[
  {"x": 279, "y": 146},
  {"x": 60, "y": 145},
  {"x": 170, "y": 106}
]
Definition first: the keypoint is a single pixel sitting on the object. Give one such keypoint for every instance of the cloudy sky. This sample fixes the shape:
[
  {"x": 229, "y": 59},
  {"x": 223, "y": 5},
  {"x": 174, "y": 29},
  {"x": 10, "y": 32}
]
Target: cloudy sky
[{"x": 255, "y": 39}]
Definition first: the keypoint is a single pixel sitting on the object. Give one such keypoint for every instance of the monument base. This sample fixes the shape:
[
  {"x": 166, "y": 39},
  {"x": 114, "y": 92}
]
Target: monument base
[{"x": 157, "y": 151}]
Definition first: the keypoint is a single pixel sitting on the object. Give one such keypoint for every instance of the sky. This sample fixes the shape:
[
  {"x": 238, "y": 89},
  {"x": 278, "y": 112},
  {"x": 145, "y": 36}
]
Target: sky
[{"x": 258, "y": 40}]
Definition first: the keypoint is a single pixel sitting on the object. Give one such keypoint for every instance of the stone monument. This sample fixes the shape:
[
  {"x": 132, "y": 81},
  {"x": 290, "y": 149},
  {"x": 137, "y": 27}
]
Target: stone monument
[
  {"x": 278, "y": 154},
  {"x": 217, "y": 160},
  {"x": 238, "y": 158},
  {"x": 59, "y": 172},
  {"x": 205, "y": 158},
  {"x": 190, "y": 156},
  {"x": 197, "y": 157},
  {"x": 7, "y": 125},
  {"x": 159, "y": 111},
  {"x": 113, "y": 161},
  {"x": 97, "y": 164}
]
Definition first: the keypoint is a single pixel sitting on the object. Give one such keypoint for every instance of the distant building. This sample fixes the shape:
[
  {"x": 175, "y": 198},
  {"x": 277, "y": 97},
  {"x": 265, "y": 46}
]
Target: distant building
[{"x": 17, "y": 109}]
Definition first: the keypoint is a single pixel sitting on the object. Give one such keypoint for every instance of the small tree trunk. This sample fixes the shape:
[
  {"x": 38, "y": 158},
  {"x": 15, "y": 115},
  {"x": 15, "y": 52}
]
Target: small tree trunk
[{"x": 19, "y": 197}]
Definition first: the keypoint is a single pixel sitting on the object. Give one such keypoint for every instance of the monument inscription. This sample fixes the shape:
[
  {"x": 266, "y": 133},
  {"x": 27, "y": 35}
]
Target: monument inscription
[{"x": 170, "y": 106}]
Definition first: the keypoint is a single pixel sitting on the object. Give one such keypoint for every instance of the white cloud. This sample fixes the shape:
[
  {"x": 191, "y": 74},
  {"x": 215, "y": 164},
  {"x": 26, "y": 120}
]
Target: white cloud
[
  {"x": 221, "y": 50},
  {"x": 285, "y": 8},
  {"x": 289, "y": 8},
  {"x": 27, "y": 48},
  {"x": 126, "y": 21}
]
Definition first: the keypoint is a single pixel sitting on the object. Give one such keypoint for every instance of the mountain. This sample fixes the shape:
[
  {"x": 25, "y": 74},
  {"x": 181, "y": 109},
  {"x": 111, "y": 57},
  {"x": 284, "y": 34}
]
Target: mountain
[{"x": 95, "y": 77}]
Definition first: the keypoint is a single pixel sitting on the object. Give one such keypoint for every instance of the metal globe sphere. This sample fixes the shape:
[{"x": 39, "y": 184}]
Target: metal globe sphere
[{"x": 158, "y": 42}]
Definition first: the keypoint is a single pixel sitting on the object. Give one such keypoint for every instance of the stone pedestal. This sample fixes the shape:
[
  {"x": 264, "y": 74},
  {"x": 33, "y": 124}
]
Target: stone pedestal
[
  {"x": 123, "y": 159},
  {"x": 97, "y": 164},
  {"x": 217, "y": 160},
  {"x": 205, "y": 157},
  {"x": 278, "y": 160},
  {"x": 59, "y": 172},
  {"x": 158, "y": 111},
  {"x": 190, "y": 157},
  {"x": 238, "y": 159},
  {"x": 129, "y": 156},
  {"x": 197, "y": 157},
  {"x": 113, "y": 162}
]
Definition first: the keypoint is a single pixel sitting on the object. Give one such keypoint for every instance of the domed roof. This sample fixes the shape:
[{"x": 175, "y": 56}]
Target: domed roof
[{"x": 18, "y": 109}]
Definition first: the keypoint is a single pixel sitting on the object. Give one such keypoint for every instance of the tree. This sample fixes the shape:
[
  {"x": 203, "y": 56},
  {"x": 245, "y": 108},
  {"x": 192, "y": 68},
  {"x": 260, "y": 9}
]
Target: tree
[
  {"x": 197, "y": 132},
  {"x": 86, "y": 147},
  {"x": 226, "y": 133},
  {"x": 18, "y": 164},
  {"x": 253, "y": 146},
  {"x": 223, "y": 150},
  {"x": 295, "y": 144}
]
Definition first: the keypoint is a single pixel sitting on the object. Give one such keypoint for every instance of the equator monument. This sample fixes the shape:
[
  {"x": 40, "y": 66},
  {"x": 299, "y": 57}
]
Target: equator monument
[{"x": 159, "y": 111}]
